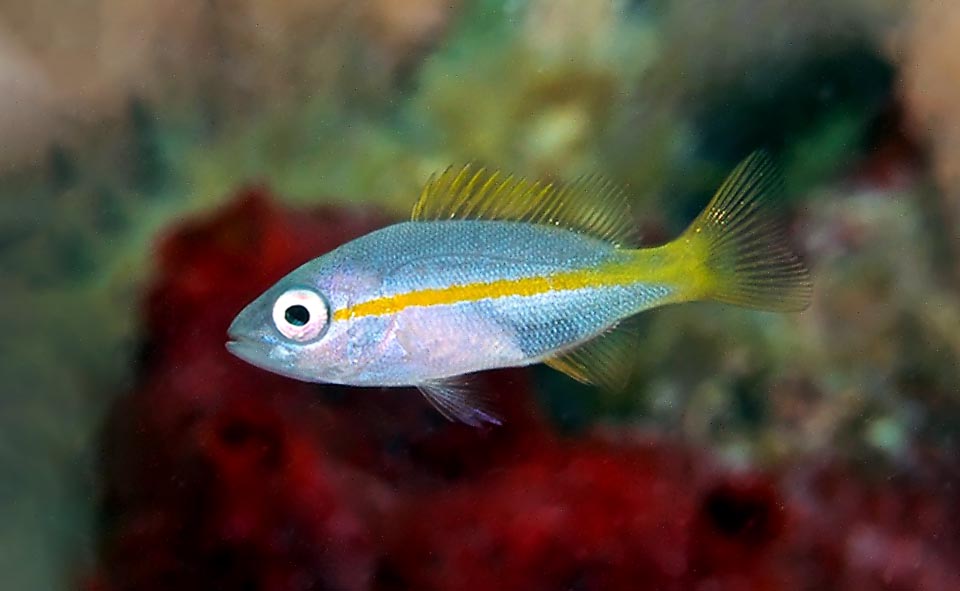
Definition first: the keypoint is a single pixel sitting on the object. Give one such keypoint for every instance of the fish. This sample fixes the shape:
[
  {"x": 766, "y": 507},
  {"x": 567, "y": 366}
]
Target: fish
[{"x": 496, "y": 270}]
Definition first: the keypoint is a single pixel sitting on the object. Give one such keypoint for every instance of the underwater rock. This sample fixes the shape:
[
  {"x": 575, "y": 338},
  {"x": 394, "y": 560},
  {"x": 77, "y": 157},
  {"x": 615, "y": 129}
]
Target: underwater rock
[
  {"x": 69, "y": 68},
  {"x": 27, "y": 105},
  {"x": 930, "y": 87},
  {"x": 894, "y": 530},
  {"x": 403, "y": 32}
]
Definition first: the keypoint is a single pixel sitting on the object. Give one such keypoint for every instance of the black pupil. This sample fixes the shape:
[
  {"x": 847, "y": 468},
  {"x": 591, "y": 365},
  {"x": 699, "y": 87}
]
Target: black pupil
[{"x": 297, "y": 315}]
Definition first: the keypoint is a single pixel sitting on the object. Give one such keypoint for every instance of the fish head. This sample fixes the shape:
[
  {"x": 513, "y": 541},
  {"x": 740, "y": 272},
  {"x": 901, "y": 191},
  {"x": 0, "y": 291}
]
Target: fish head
[{"x": 291, "y": 328}]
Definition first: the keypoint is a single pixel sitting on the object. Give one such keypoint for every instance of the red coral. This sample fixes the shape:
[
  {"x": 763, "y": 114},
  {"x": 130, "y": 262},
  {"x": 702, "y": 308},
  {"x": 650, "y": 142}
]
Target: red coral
[
  {"x": 588, "y": 518},
  {"x": 737, "y": 528},
  {"x": 592, "y": 516},
  {"x": 240, "y": 497}
]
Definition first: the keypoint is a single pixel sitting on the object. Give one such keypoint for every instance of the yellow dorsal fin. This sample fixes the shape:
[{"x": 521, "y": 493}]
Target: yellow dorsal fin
[
  {"x": 604, "y": 361},
  {"x": 590, "y": 205}
]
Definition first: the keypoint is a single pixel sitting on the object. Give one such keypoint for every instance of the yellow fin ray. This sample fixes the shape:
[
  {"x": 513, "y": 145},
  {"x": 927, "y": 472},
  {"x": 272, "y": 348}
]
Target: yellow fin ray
[
  {"x": 605, "y": 360},
  {"x": 745, "y": 252},
  {"x": 589, "y": 205}
]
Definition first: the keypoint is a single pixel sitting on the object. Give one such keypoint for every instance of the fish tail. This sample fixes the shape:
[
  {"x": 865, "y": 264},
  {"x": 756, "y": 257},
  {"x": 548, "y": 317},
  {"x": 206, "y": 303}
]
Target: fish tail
[{"x": 740, "y": 251}]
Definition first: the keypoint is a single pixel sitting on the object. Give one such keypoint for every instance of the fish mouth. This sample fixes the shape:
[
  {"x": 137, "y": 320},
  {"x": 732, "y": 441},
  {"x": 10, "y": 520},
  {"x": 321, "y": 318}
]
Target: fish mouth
[
  {"x": 240, "y": 345},
  {"x": 242, "y": 348},
  {"x": 261, "y": 356},
  {"x": 237, "y": 333},
  {"x": 252, "y": 352},
  {"x": 235, "y": 347}
]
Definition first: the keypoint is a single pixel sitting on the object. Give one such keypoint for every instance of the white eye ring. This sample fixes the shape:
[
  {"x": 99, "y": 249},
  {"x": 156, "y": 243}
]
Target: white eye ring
[{"x": 301, "y": 314}]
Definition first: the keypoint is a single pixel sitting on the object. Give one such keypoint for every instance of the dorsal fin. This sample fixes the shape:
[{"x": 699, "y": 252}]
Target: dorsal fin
[
  {"x": 589, "y": 205},
  {"x": 604, "y": 361}
]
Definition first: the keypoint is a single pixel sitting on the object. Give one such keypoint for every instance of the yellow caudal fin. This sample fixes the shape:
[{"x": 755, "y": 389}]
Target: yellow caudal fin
[{"x": 742, "y": 249}]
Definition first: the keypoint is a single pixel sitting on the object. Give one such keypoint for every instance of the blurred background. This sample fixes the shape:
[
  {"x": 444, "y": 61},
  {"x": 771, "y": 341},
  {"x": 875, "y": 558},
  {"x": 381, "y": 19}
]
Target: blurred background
[{"x": 164, "y": 162}]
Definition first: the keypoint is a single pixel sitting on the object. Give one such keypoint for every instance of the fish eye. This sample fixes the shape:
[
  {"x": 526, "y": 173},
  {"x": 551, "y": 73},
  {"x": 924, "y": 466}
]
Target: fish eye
[
  {"x": 297, "y": 315},
  {"x": 301, "y": 314}
]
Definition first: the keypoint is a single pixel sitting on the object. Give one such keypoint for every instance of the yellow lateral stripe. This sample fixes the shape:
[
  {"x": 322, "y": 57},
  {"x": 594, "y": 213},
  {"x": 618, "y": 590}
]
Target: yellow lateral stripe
[{"x": 471, "y": 292}]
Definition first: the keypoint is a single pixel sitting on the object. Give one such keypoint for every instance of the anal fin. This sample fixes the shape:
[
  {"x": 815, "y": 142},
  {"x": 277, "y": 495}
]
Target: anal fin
[
  {"x": 457, "y": 401},
  {"x": 604, "y": 361}
]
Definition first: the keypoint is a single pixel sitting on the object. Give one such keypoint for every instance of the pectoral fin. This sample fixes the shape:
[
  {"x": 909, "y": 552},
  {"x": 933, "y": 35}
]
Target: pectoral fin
[{"x": 457, "y": 401}]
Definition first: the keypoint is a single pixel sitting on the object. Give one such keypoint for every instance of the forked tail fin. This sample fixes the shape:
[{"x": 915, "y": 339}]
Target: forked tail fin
[{"x": 745, "y": 254}]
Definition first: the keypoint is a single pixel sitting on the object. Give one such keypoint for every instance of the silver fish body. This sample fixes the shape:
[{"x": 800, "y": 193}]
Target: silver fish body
[{"x": 420, "y": 343}]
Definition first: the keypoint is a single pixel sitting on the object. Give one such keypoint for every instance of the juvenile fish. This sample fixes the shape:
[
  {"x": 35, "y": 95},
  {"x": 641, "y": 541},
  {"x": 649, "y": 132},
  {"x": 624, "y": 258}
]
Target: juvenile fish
[{"x": 499, "y": 271}]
